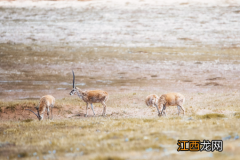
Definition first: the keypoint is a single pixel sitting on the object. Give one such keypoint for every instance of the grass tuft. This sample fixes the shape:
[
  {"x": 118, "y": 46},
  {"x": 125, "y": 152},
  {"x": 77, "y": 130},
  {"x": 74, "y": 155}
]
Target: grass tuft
[
  {"x": 27, "y": 120},
  {"x": 210, "y": 116},
  {"x": 22, "y": 155},
  {"x": 11, "y": 107},
  {"x": 237, "y": 115},
  {"x": 149, "y": 120},
  {"x": 107, "y": 158},
  {"x": 58, "y": 123}
]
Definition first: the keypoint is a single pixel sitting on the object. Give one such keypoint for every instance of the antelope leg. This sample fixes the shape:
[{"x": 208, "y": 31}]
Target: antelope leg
[
  {"x": 48, "y": 112},
  {"x": 157, "y": 110},
  {"x": 181, "y": 107},
  {"x": 51, "y": 113},
  {"x": 164, "y": 110},
  {"x": 86, "y": 110},
  {"x": 92, "y": 109},
  {"x": 104, "y": 108},
  {"x": 178, "y": 107}
]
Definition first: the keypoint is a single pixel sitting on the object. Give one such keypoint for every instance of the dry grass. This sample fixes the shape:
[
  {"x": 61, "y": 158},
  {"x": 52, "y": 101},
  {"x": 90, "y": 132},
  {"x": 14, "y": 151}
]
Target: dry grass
[
  {"x": 237, "y": 115},
  {"x": 130, "y": 128},
  {"x": 134, "y": 137},
  {"x": 107, "y": 158},
  {"x": 95, "y": 137},
  {"x": 213, "y": 115}
]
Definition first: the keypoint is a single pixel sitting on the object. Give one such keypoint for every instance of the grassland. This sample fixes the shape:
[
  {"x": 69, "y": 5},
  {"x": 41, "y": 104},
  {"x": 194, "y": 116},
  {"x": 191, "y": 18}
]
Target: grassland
[
  {"x": 209, "y": 81},
  {"x": 131, "y": 131},
  {"x": 116, "y": 138}
]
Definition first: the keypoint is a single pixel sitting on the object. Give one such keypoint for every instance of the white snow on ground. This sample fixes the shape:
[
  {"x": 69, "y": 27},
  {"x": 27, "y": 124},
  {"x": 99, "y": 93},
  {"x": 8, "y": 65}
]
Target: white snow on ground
[{"x": 135, "y": 23}]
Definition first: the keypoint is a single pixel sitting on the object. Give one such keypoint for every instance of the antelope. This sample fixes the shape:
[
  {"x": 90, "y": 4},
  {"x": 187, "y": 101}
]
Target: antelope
[
  {"x": 91, "y": 96},
  {"x": 152, "y": 100},
  {"x": 46, "y": 102},
  {"x": 171, "y": 99}
]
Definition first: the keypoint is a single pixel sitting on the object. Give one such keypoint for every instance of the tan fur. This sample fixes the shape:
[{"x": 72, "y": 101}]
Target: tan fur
[
  {"x": 171, "y": 99},
  {"x": 152, "y": 100},
  {"x": 46, "y": 102},
  {"x": 93, "y": 96}
]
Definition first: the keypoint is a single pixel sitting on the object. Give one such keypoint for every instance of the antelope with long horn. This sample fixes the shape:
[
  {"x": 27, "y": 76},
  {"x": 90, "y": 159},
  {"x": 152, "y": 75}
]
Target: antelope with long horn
[
  {"x": 91, "y": 96},
  {"x": 45, "y": 102},
  {"x": 171, "y": 99},
  {"x": 152, "y": 100}
]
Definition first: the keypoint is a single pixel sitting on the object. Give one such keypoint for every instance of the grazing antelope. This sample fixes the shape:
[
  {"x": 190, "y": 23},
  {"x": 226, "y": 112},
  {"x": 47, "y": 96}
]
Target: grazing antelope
[
  {"x": 46, "y": 102},
  {"x": 152, "y": 100},
  {"x": 92, "y": 96},
  {"x": 171, "y": 99}
]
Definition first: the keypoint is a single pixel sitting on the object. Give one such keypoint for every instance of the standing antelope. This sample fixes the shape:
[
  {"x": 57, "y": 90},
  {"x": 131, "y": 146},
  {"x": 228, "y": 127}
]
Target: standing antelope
[
  {"x": 46, "y": 101},
  {"x": 152, "y": 100},
  {"x": 92, "y": 96},
  {"x": 171, "y": 99}
]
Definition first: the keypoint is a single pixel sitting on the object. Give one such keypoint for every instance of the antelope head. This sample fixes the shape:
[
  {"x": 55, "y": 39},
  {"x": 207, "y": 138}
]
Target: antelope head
[
  {"x": 38, "y": 116},
  {"x": 74, "y": 90}
]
